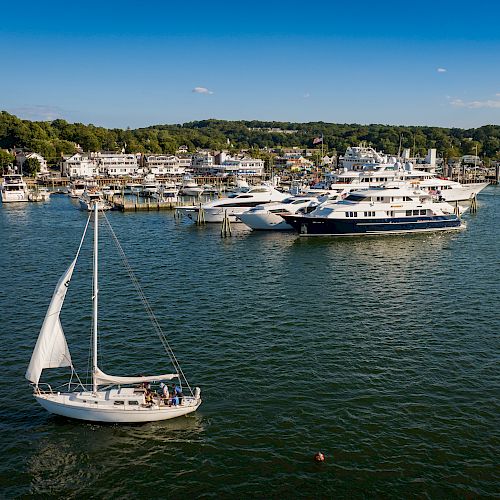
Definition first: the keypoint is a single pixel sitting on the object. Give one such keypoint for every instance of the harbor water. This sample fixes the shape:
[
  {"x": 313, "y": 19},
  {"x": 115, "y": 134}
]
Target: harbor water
[{"x": 383, "y": 353}]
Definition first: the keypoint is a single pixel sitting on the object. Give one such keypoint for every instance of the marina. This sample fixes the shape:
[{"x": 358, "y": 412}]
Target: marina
[{"x": 379, "y": 391}]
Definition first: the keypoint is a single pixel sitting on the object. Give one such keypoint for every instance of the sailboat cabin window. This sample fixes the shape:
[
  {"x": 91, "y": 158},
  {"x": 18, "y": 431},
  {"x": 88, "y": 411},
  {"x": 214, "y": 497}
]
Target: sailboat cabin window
[
  {"x": 119, "y": 403},
  {"x": 133, "y": 402}
]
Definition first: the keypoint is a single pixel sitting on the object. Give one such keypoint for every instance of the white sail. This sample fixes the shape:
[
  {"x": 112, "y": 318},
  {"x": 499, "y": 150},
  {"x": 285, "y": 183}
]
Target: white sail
[
  {"x": 51, "y": 349},
  {"x": 102, "y": 378}
]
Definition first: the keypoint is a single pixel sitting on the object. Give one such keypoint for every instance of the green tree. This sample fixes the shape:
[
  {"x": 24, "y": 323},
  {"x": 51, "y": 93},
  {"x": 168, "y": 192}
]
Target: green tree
[
  {"x": 6, "y": 159},
  {"x": 31, "y": 167}
]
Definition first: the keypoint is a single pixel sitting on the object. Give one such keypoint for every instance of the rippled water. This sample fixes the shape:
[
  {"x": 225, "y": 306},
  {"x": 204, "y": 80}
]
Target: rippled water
[{"x": 381, "y": 352}]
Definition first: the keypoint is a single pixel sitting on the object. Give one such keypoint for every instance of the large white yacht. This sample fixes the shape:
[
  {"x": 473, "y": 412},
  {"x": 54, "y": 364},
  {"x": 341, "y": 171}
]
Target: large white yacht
[
  {"x": 374, "y": 175},
  {"x": 214, "y": 211},
  {"x": 391, "y": 209},
  {"x": 13, "y": 189},
  {"x": 356, "y": 157},
  {"x": 268, "y": 216}
]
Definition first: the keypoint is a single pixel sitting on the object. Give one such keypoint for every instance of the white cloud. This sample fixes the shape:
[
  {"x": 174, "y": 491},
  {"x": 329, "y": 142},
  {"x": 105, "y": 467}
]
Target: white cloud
[
  {"x": 201, "y": 90},
  {"x": 498, "y": 94},
  {"x": 307, "y": 95},
  {"x": 441, "y": 70},
  {"x": 38, "y": 112},
  {"x": 489, "y": 103}
]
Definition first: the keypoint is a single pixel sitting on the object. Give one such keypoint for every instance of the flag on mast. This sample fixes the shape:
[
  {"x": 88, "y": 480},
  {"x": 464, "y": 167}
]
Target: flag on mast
[{"x": 317, "y": 140}]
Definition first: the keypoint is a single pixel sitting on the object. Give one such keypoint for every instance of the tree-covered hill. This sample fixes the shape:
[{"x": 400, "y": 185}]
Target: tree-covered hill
[{"x": 52, "y": 139}]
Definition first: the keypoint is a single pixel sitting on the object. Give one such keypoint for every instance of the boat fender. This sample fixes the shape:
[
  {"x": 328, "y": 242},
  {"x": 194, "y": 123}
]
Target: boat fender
[{"x": 197, "y": 393}]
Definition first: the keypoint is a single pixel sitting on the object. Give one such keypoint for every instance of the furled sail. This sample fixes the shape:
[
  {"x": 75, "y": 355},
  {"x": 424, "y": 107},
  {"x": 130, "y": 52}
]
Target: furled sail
[
  {"x": 51, "y": 349},
  {"x": 102, "y": 378}
]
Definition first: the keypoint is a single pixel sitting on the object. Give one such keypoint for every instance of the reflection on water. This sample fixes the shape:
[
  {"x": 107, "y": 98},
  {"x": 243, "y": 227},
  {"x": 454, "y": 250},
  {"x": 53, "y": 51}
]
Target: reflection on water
[{"x": 71, "y": 454}]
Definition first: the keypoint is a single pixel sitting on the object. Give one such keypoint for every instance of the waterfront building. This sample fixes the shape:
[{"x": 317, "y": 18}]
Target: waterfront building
[
  {"x": 164, "y": 165},
  {"x": 116, "y": 164},
  {"x": 22, "y": 156},
  {"x": 202, "y": 162},
  {"x": 79, "y": 165}
]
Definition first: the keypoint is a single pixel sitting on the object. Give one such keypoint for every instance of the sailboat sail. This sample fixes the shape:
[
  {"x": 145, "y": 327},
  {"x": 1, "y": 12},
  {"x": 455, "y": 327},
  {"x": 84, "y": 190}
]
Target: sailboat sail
[
  {"x": 102, "y": 378},
  {"x": 51, "y": 350}
]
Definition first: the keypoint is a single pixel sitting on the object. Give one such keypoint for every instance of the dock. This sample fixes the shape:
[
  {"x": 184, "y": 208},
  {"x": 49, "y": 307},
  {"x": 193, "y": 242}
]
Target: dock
[{"x": 145, "y": 206}]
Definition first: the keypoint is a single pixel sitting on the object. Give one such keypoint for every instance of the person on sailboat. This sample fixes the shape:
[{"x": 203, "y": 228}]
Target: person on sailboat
[
  {"x": 178, "y": 392},
  {"x": 164, "y": 392}
]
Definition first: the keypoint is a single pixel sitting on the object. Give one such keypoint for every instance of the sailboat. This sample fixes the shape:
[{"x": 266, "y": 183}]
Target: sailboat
[{"x": 110, "y": 398}]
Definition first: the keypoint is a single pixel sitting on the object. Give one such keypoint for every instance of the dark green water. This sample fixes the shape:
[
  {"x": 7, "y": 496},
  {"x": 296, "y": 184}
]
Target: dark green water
[{"x": 381, "y": 352}]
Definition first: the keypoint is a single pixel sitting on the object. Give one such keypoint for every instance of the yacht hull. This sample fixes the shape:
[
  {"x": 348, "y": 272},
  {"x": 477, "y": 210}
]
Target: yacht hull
[
  {"x": 317, "y": 226},
  {"x": 60, "y": 404},
  {"x": 463, "y": 193},
  {"x": 265, "y": 222}
]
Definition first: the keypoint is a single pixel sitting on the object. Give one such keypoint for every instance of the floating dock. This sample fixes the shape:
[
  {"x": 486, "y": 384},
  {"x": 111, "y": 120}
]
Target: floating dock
[{"x": 144, "y": 206}]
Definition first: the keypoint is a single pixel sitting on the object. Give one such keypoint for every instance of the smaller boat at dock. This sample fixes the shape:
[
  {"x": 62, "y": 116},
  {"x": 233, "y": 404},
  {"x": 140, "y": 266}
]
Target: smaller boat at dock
[
  {"x": 92, "y": 196},
  {"x": 190, "y": 187},
  {"x": 39, "y": 194}
]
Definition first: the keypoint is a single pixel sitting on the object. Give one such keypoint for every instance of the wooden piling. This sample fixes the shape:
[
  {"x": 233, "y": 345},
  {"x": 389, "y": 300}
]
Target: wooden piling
[{"x": 226, "y": 226}]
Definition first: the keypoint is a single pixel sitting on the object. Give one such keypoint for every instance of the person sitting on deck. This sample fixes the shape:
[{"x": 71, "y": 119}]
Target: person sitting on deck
[{"x": 164, "y": 392}]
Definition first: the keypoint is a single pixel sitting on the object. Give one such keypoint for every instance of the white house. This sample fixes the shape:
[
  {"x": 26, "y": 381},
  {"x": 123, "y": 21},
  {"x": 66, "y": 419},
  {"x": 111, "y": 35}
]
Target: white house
[
  {"x": 21, "y": 157},
  {"x": 116, "y": 164},
  {"x": 202, "y": 162},
  {"x": 244, "y": 166},
  {"x": 79, "y": 165},
  {"x": 164, "y": 165}
]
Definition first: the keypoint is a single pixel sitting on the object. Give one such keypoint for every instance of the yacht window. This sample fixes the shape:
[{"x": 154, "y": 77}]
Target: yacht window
[
  {"x": 407, "y": 198},
  {"x": 133, "y": 402},
  {"x": 357, "y": 197},
  {"x": 416, "y": 212},
  {"x": 297, "y": 202},
  {"x": 423, "y": 212},
  {"x": 380, "y": 198},
  {"x": 390, "y": 213},
  {"x": 119, "y": 403},
  {"x": 244, "y": 196},
  {"x": 277, "y": 211},
  {"x": 408, "y": 213}
]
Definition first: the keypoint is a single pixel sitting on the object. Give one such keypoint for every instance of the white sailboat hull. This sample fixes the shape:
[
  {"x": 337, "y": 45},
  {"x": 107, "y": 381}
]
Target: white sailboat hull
[{"x": 65, "y": 405}]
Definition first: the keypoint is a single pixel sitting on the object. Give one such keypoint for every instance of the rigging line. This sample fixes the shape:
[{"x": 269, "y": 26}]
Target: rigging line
[{"x": 147, "y": 306}]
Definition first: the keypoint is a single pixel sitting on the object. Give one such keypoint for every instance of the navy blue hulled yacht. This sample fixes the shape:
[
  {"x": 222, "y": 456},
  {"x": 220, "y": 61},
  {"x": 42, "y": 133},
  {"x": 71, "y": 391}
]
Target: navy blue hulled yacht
[{"x": 391, "y": 209}]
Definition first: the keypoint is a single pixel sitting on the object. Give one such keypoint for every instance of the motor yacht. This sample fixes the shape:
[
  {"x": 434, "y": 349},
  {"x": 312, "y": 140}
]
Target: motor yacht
[
  {"x": 268, "y": 216},
  {"x": 374, "y": 175},
  {"x": 13, "y": 189},
  {"x": 390, "y": 209},
  {"x": 214, "y": 211},
  {"x": 190, "y": 187},
  {"x": 92, "y": 196},
  {"x": 149, "y": 186},
  {"x": 76, "y": 188},
  {"x": 39, "y": 194}
]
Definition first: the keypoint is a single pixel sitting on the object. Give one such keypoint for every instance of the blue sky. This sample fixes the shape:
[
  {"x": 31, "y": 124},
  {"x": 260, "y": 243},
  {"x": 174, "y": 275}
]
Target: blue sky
[{"x": 120, "y": 64}]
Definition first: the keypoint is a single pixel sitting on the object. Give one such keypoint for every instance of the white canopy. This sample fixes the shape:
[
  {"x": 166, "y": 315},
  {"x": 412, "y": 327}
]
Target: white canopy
[
  {"x": 102, "y": 378},
  {"x": 51, "y": 349}
]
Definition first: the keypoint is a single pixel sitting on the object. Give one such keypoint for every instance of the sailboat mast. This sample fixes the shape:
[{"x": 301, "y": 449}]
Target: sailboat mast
[{"x": 94, "y": 298}]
